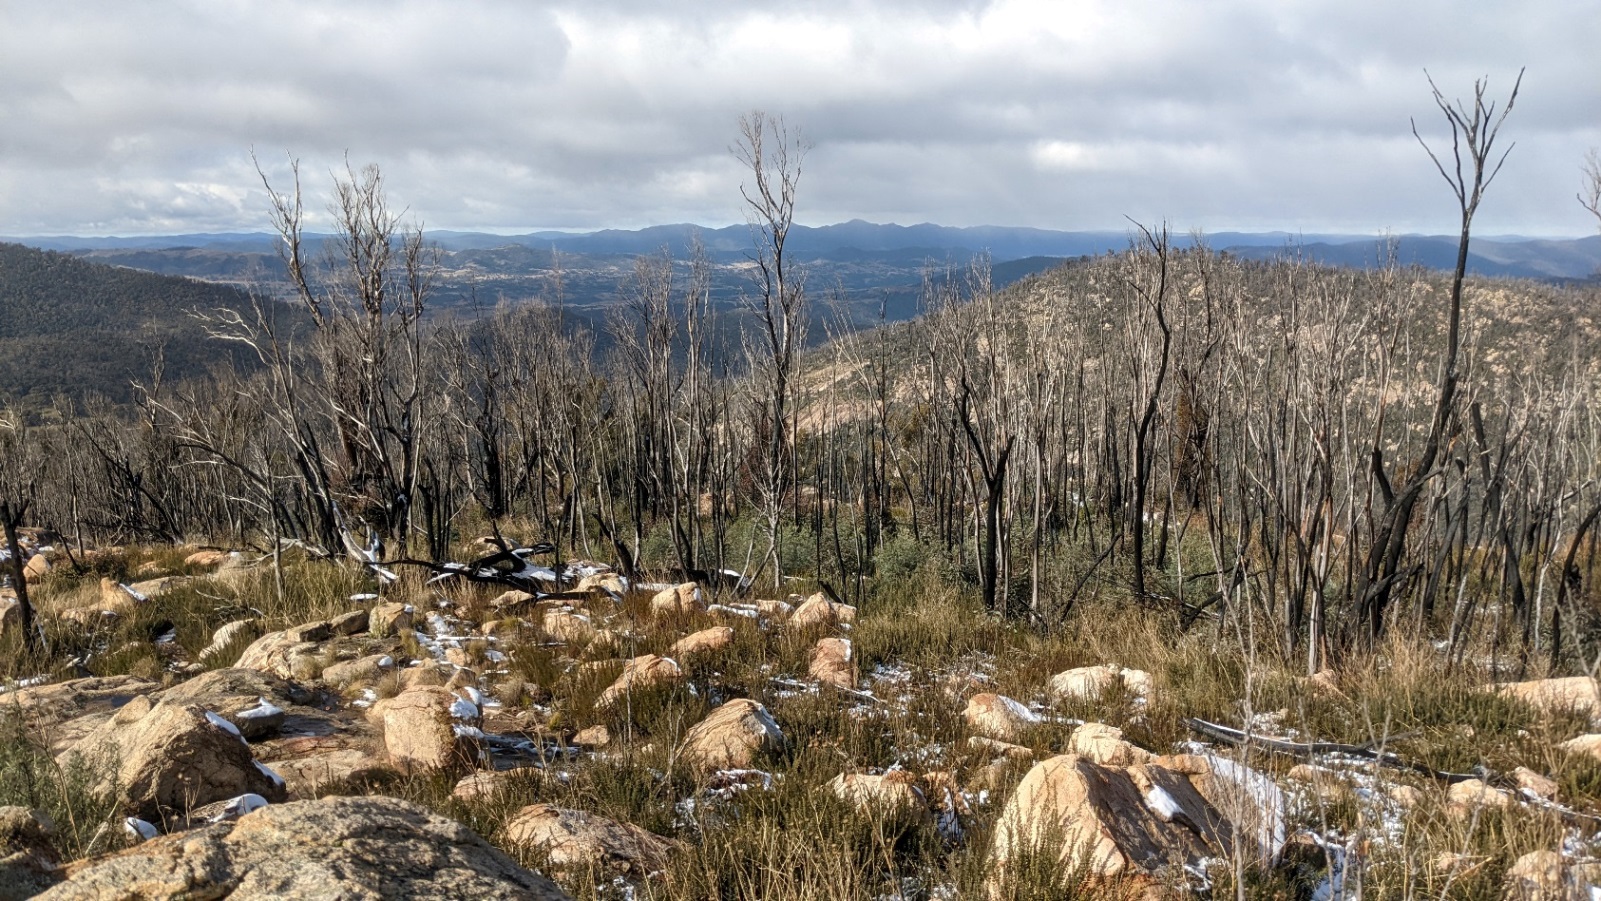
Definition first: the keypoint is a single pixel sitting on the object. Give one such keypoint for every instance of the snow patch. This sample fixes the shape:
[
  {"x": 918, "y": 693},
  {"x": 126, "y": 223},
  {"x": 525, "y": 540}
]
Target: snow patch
[
  {"x": 264, "y": 709},
  {"x": 224, "y": 725},
  {"x": 1162, "y": 804},
  {"x": 277, "y": 780}
]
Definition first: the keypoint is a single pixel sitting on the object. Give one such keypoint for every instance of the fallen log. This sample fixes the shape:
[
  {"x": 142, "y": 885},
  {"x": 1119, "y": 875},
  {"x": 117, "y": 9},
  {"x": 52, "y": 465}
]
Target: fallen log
[{"x": 1310, "y": 749}]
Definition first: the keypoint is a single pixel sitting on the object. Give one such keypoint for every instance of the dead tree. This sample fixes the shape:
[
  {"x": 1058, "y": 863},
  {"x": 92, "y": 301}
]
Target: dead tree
[
  {"x": 1590, "y": 196},
  {"x": 774, "y": 159},
  {"x": 1473, "y": 166},
  {"x": 1152, "y": 340}
]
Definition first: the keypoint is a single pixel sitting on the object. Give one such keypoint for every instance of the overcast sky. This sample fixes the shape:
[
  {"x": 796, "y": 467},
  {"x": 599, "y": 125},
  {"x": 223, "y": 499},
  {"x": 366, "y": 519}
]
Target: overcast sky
[{"x": 140, "y": 118}]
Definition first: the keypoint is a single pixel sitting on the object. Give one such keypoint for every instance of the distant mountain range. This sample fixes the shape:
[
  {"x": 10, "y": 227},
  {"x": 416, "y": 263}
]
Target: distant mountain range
[
  {"x": 230, "y": 256},
  {"x": 69, "y": 326}
]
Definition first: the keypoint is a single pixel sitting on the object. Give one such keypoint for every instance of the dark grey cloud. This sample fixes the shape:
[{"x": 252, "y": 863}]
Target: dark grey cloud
[{"x": 141, "y": 118}]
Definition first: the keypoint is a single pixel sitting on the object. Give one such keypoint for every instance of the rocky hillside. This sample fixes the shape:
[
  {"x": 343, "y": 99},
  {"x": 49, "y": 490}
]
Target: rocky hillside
[{"x": 222, "y": 734}]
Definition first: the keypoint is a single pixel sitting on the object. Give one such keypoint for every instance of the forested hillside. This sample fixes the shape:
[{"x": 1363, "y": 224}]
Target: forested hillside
[{"x": 77, "y": 328}]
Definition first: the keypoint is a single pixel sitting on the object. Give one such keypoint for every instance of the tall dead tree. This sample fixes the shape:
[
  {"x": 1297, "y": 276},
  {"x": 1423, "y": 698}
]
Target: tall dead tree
[
  {"x": 1473, "y": 165},
  {"x": 1151, "y": 339},
  {"x": 347, "y": 398},
  {"x": 1590, "y": 195},
  {"x": 773, "y": 158}
]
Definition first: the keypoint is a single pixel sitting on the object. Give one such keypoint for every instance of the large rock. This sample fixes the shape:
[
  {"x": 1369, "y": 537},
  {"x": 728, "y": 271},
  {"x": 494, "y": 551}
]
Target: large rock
[
  {"x": 1132, "y": 823},
  {"x": 207, "y": 558},
  {"x": 833, "y": 663},
  {"x": 706, "y": 641},
  {"x": 567, "y": 626},
  {"x": 609, "y": 583},
  {"x": 390, "y": 619},
  {"x": 255, "y": 702},
  {"x": 1249, "y": 799},
  {"x": 1104, "y": 745},
  {"x": 36, "y": 569},
  {"x": 640, "y": 675},
  {"x": 117, "y": 597},
  {"x": 288, "y": 654},
  {"x": 891, "y": 793},
  {"x": 28, "y": 859},
  {"x": 366, "y": 848},
  {"x": 574, "y": 841},
  {"x": 1584, "y": 744},
  {"x": 818, "y": 610},
  {"x": 429, "y": 728},
  {"x": 998, "y": 717},
  {"x": 1548, "y": 876},
  {"x": 680, "y": 600},
  {"x": 166, "y": 759},
  {"x": 46, "y": 708},
  {"x": 1572, "y": 693},
  {"x": 363, "y": 672},
  {"x": 305, "y": 775},
  {"x": 1465, "y": 798},
  {"x": 731, "y": 736},
  {"x": 1090, "y": 682}
]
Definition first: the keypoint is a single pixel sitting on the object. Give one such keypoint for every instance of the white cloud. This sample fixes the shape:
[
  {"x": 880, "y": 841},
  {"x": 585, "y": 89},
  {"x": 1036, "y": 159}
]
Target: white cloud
[{"x": 498, "y": 114}]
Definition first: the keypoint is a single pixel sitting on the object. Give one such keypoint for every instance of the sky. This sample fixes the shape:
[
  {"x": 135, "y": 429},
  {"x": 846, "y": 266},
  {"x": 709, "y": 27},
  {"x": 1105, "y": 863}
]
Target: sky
[{"x": 1293, "y": 115}]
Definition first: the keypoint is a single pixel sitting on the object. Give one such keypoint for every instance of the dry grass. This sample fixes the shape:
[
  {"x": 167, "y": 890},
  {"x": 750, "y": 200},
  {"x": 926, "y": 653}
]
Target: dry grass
[{"x": 923, "y": 645}]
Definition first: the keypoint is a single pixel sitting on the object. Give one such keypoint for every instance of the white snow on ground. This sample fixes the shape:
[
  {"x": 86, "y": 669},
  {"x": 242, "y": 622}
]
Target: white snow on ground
[
  {"x": 248, "y": 802},
  {"x": 224, "y": 725},
  {"x": 735, "y": 610},
  {"x": 139, "y": 830},
  {"x": 1162, "y": 804},
  {"x": 463, "y": 709},
  {"x": 267, "y": 771},
  {"x": 1262, "y": 791},
  {"x": 1019, "y": 711},
  {"x": 29, "y": 682},
  {"x": 263, "y": 710}
]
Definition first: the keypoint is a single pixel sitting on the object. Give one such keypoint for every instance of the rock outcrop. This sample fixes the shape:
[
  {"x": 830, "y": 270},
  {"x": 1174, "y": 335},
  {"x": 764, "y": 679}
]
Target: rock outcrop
[
  {"x": 832, "y": 663},
  {"x": 998, "y": 717},
  {"x": 1135, "y": 822},
  {"x": 390, "y": 619},
  {"x": 680, "y": 600},
  {"x": 1090, "y": 682},
  {"x": 164, "y": 760},
  {"x": 1104, "y": 745},
  {"x": 731, "y": 736},
  {"x": 290, "y": 654},
  {"x": 1579, "y": 693},
  {"x": 574, "y": 841},
  {"x": 1548, "y": 876},
  {"x": 640, "y": 675},
  {"x": 706, "y": 641},
  {"x": 818, "y": 610},
  {"x": 28, "y": 859},
  {"x": 429, "y": 728},
  {"x": 358, "y": 848}
]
